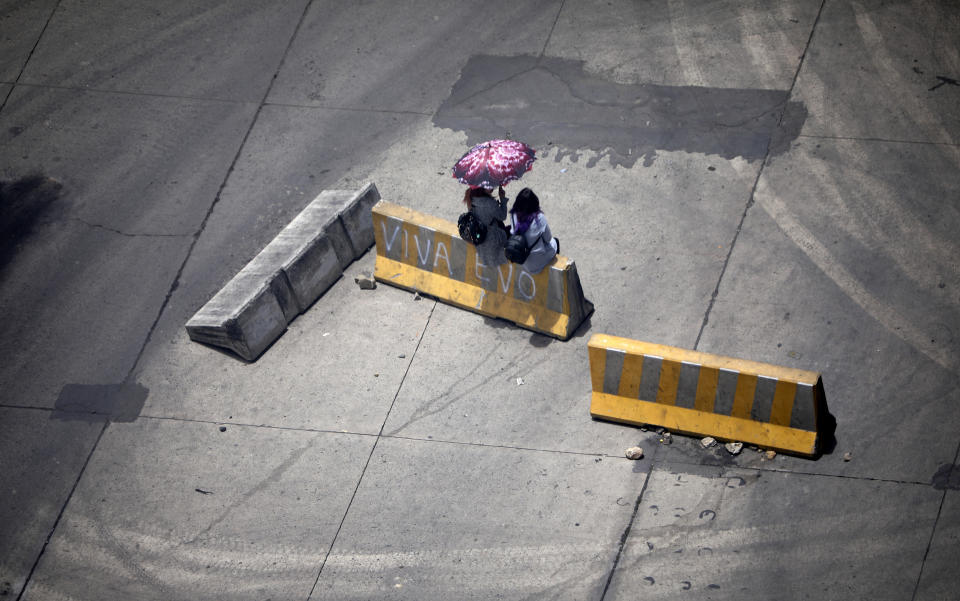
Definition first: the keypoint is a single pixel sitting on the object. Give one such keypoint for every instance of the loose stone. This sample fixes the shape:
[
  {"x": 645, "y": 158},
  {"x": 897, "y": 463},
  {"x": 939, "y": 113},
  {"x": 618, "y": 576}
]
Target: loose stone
[
  {"x": 365, "y": 281},
  {"x": 733, "y": 448}
]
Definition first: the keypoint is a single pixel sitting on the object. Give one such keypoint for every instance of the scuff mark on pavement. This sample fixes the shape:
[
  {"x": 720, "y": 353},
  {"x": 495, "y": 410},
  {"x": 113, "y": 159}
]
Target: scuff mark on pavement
[{"x": 274, "y": 476}]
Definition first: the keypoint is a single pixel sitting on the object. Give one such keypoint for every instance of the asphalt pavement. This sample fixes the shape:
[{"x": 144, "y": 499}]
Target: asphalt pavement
[{"x": 777, "y": 182}]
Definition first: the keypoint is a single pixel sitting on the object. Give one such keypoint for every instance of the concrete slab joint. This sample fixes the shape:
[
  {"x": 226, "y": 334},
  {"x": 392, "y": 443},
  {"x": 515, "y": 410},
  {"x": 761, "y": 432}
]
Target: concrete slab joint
[{"x": 253, "y": 309}]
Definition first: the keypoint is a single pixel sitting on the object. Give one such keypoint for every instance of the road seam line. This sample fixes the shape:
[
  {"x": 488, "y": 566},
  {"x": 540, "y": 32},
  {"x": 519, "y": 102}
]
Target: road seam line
[
  {"x": 885, "y": 140},
  {"x": 933, "y": 531},
  {"x": 23, "y": 67},
  {"x": 550, "y": 35},
  {"x": 223, "y": 185},
  {"x": 373, "y": 449},
  {"x": 756, "y": 181},
  {"x": 63, "y": 509},
  {"x": 626, "y": 531}
]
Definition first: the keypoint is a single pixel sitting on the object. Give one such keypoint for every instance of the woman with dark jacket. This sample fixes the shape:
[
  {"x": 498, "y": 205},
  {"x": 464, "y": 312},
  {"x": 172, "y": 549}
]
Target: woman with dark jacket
[
  {"x": 491, "y": 212},
  {"x": 528, "y": 220}
]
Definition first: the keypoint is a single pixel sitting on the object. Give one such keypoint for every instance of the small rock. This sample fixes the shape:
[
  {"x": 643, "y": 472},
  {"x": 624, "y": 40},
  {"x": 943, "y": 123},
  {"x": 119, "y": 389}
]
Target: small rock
[
  {"x": 660, "y": 430},
  {"x": 733, "y": 448},
  {"x": 519, "y": 381},
  {"x": 634, "y": 453},
  {"x": 666, "y": 438},
  {"x": 847, "y": 456},
  {"x": 416, "y": 296},
  {"x": 365, "y": 281},
  {"x": 401, "y": 356},
  {"x": 770, "y": 454},
  {"x": 708, "y": 442},
  {"x": 223, "y": 428}
]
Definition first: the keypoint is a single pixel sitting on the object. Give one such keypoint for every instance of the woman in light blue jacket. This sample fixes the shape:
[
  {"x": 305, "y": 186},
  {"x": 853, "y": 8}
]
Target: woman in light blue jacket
[{"x": 528, "y": 220}]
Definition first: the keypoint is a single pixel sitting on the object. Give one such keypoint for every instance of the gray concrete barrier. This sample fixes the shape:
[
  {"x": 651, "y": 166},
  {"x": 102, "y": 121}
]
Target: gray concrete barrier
[{"x": 285, "y": 278}]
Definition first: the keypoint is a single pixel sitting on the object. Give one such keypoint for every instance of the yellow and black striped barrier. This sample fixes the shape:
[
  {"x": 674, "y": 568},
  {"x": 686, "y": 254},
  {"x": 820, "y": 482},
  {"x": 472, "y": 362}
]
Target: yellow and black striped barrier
[
  {"x": 708, "y": 395},
  {"x": 426, "y": 254}
]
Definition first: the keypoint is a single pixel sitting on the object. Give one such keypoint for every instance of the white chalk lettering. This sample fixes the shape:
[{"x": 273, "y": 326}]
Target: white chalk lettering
[
  {"x": 422, "y": 256},
  {"x": 436, "y": 259},
  {"x": 478, "y": 269},
  {"x": 533, "y": 285},
  {"x": 505, "y": 286},
  {"x": 393, "y": 238},
  {"x": 406, "y": 244}
]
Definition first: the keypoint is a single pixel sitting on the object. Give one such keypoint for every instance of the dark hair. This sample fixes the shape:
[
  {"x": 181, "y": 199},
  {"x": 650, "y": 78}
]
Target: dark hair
[
  {"x": 470, "y": 193},
  {"x": 526, "y": 203}
]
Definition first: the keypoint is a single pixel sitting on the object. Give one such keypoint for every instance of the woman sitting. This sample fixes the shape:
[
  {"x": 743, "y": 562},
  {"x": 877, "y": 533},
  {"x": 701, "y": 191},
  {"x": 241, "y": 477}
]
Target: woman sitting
[
  {"x": 530, "y": 222},
  {"x": 491, "y": 212}
]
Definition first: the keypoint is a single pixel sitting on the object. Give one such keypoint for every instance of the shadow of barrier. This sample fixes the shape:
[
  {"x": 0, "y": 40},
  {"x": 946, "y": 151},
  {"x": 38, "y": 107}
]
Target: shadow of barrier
[
  {"x": 698, "y": 393},
  {"x": 425, "y": 254}
]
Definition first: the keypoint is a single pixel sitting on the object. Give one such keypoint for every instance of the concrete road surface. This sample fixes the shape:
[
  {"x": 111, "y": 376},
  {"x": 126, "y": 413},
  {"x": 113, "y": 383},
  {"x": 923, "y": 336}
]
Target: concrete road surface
[{"x": 777, "y": 182}]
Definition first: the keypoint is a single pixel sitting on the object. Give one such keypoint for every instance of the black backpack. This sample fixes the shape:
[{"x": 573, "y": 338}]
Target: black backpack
[
  {"x": 517, "y": 250},
  {"x": 471, "y": 229}
]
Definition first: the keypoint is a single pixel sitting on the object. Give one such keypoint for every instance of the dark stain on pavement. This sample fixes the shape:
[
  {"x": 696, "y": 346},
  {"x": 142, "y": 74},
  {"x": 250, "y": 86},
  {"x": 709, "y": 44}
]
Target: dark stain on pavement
[
  {"x": 96, "y": 402},
  {"x": 22, "y": 203},
  {"x": 561, "y": 109},
  {"x": 947, "y": 477}
]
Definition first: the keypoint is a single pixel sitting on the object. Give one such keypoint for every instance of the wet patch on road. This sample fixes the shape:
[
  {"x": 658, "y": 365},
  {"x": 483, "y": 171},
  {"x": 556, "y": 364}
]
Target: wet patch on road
[
  {"x": 947, "y": 477},
  {"x": 23, "y": 202},
  {"x": 562, "y": 110},
  {"x": 96, "y": 402}
]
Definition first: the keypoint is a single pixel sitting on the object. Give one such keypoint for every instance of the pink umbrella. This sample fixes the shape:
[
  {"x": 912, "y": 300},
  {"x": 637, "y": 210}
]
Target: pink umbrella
[{"x": 494, "y": 163}]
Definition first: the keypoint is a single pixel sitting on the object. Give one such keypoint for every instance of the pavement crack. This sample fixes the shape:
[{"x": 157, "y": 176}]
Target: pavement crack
[
  {"x": 493, "y": 85},
  {"x": 944, "y": 81},
  {"x": 127, "y": 234}
]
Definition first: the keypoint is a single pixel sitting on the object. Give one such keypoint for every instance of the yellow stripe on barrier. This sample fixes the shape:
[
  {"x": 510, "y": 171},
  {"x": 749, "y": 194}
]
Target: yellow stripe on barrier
[
  {"x": 699, "y": 393},
  {"x": 426, "y": 254},
  {"x": 701, "y": 423}
]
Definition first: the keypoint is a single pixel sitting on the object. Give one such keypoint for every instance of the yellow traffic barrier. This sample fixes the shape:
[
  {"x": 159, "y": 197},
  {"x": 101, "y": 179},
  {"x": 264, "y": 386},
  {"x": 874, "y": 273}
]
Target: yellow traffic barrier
[
  {"x": 698, "y": 393},
  {"x": 426, "y": 254}
]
